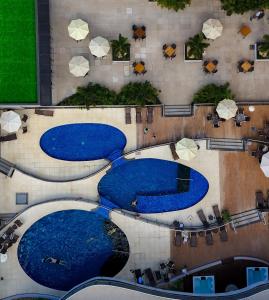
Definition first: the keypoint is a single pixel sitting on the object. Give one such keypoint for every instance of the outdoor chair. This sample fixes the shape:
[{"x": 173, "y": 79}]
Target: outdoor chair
[
  {"x": 14, "y": 239},
  {"x": 9, "y": 231},
  {"x": 149, "y": 115},
  {"x": 18, "y": 222},
  {"x": 134, "y": 64},
  {"x": 24, "y": 129},
  {"x": 158, "y": 275},
  {"x": 238, "y": 124},
  {"x": 44, "y": 112},
  {"x": 134, "y": 27},
  {"x": 193, "y": 239},
  {"x": 223, "y": 234},
  {"x": 9, "y": 137},
  {"x": 138, "y": 115},
  {"x": 202, "y": 218},
  {"x": 215, "y": 62},
  {"x": 14, "y": 226},
  {"x": 128, "y": 119},
  {"x": 216, "y": 125},
  {"x": 209, "y": 238},
  {"x": 143, "y": 28},
  {"x": 174, "y": 46},
  {"x": 142, "y": 63},
  {"x": 260, "y": 201},
  {"x": 164, "y": 46},
  {"x": 136, "y": 73},
  {"x": 217, "y": 214},
  {"x": 247, "y": 118},
  {"x": 144, "y": 72},
  {"x": 24, "y": 118},
  {"x": 215, "y": 71},
  {"x": 149, "y": 275}
]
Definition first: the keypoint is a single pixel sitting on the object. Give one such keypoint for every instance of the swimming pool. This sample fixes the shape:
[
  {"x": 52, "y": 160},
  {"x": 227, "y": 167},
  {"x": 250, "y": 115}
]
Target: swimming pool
[
  {"x": 155, "y": 185},
  {"x": 83, "y": 142},
  {"x": 86, "y": 244}
]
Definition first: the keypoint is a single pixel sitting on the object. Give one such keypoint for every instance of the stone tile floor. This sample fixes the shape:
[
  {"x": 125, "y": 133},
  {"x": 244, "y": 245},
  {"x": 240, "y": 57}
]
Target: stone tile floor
[{"x": 177, "y": 80}]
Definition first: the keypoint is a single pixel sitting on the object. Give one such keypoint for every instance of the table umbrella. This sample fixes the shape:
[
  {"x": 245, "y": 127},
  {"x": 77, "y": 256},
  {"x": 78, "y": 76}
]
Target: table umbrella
[
  {"x": 212, "y": 29},
  {"x": 265, "y": 164},
  {"x": 10, "y": 121},
  {"x": 78, "y": 29},
  {"x": 186, "y": 149},
  {"x": 227, "y": 109},
  {"x": 99, "y": 46},
  {"x": 79, "y": 66}
]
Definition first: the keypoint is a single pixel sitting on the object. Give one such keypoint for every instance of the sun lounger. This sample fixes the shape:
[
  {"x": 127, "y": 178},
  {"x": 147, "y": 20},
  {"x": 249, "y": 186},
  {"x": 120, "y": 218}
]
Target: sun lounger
[
  {"x": 18, "y": 222},
  {"x": 178, "y": 234},
  {"x": 44, "y": 112},
  {"x": 138, "y": 276},
  {"x": 209, "y": 238},
  {"x": 128, "y": 119},
  {"x": 9, "y": 231},
  {"x": 223, "y": 234},
  {"x": 158, "y": 275},
  {"x": 150, "y": 115},
  {"x": 173, "y": 151},
  {"x": 9, "y": 137},
  {"x": 193, "y": 239},
  {"x": 260, "y": 201},
  {"x": 202, "y": 218},
  {"x": 24, "y": 118},
  {"x": 217, "y": 214},
  {"x": 138, "y": 115},
  {"x": 149, "y": 274}
]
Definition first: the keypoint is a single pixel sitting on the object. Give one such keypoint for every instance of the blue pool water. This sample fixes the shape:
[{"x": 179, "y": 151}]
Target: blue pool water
[
  {"x": 80, "y": 239},
  {"x": 204, "y": 284},
  {"x": 154, "y": 183},
  {"x": 256, "y": 275},
  {"x": 83, "y": 142}
]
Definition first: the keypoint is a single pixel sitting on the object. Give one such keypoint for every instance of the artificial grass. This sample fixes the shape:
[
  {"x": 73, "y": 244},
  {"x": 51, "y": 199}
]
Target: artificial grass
[{"x": 18, "y": 79}]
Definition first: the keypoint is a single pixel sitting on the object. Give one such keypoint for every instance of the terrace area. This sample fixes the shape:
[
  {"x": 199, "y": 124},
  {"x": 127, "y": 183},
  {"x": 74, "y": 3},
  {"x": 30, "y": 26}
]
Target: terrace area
[{"x": 177, "y": 79}]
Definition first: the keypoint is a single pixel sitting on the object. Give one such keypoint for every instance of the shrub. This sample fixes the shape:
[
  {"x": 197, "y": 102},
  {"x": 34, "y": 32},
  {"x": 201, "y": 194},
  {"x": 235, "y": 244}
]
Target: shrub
[
  {"x": 242, "y": 6},
  {"x": 174, "y": 4},
  {"x": 263, "y": 47},
  {"x": 196, "y": 46},
  {"x": 121, "y": 49},
  {"x": 137, "y": 93},
  {"x": 226, "y": 216},
  {"x": 213, "y": 93}
]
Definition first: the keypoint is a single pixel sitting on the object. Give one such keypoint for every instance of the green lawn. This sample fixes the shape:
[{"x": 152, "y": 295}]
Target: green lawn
[{"x": 18, "y": 79}]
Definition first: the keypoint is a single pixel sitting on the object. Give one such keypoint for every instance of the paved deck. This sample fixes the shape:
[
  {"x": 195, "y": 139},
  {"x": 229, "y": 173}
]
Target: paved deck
[{"x": 176, "y": 79}]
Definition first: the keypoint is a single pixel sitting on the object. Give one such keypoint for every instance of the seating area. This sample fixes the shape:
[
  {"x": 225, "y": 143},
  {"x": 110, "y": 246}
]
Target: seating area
[
  {"x": 139, "y": 68},
  {"x": 9, "y": 237},
  {"x": 169, "y": 51},
  {"x": 240, "y": 117},
  {"x": 210, "y": 66},
  {"x": 245, "y": 66},
  {"x": 139, "y": 32}
]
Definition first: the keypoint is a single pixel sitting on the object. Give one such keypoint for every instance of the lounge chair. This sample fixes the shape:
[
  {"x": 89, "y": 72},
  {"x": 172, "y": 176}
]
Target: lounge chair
[
  {"x": 14, "y": 239},
  {"x": 217, "y": 214},
  {"x": 9, "y": 137},
  {"x": 202, "y": 218},
  {"x": 24, "y": 118},
  {"x": 223, "y": 234},
  {"x": 150, "y": 115},
  {"x": 260, "y": 201},
  {"x": 138, "y": 115},
  {"x": 24, "y": 129},
  {"x": 128, "y": 119},
  {"x": 193, "y": 239},
  {"x": 178, "y": 238},
  {"x": 149, "y": 274},
  {"x": 9, "y": 231},
  {"x": 18, "y": 222},
  {"x": 44, "y": 112},
  {"x": 138, "y": 276},
  {"x": 173, "y": 151},
  {"x": 209, "y": 238},
  {"x": 158, "y": 275}
]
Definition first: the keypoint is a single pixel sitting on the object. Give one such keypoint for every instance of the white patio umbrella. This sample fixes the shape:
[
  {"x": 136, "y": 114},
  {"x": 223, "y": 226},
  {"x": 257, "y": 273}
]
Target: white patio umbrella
[
  {"x": 212, "y": 29},
  {"x": 78, "y": 29},
  {"x": 10, "y": 121},
  {"x": 99, "y": 46},
  {"x": 186, "y": 149},
  {"x": 79, "y": 66},
  {"x": 265, "y": 164},
  {"x": 227, "y": 109}
]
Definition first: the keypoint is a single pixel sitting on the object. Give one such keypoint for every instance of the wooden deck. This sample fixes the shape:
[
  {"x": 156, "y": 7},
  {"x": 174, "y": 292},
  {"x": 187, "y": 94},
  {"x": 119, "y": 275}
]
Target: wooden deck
[{"x": 240, "y": 177}]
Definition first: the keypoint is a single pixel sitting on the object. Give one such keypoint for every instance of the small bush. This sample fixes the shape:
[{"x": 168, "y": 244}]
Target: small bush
[
  {"x": 174, "y": 4},
  {"x": 213, "y": 93},
  {"x": 242, "y": 6}
]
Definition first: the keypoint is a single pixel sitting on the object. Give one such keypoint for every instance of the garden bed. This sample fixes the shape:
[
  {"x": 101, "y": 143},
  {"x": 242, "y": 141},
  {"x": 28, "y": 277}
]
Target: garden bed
[
  {"x": 125, "y": 58},
  {"x": 190, "y": 59},
  {"x": 258, "y": 56}
]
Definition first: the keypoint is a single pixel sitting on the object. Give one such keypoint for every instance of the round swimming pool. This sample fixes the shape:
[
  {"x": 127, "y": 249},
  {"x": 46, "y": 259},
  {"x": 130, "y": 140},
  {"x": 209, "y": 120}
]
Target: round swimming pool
[
  {"x": 83, "y": 142},
  {"x": 68, "y": 247},
  {"x": 153, "y": 186}
]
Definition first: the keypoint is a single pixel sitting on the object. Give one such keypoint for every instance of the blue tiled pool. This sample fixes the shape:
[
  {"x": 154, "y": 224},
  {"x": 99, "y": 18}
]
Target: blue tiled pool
[
  {"x": 153, "y": 186},
  {"x": 85, "y": 243},
  {"x": 83, "y": 142}
]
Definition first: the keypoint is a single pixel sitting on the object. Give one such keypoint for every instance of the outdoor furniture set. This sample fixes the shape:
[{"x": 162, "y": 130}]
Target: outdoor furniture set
[
  {"x": 139, "y": 68},
  {"x": 210, "y": 66},
  {"x": 169, "y": 51},
  {"x": 9, "y": 237}
]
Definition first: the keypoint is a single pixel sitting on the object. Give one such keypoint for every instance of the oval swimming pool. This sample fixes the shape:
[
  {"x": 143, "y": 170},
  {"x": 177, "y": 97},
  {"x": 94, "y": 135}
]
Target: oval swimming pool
[
  {"x": 153, "y": 186},
  {"x": 83, "y": 142},
  {"x": 83, "y": 244}
]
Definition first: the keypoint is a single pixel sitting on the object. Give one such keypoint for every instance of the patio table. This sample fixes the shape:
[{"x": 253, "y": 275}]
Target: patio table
[
  {"x": 169, "y": 51},
  {"x": 139, "y": 68},
  {"x": 140, "y": 32},
  {"x": 246, "y": 66},
  {"x": 210, "y": 66},
  {"x": 245, "y": 30}
]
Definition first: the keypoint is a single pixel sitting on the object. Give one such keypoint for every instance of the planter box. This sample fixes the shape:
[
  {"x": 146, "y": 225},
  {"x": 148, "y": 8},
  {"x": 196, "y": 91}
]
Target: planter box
[
  {"x": 258, "y": 57},
  {"x": 187, "y": 59},
  {"x": 127, "y": 58}
]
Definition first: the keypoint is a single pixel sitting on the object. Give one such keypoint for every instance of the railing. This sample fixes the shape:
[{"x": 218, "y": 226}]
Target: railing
[{"x": 32, "y": 295}]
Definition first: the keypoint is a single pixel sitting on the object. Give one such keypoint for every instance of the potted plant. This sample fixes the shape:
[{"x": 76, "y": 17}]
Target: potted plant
[
  {"x": 225, "y": 214},
  {"x": 195, "y": 47},
  {"x": 262, "y": 48},
  {"x": 121, "y": 49}
]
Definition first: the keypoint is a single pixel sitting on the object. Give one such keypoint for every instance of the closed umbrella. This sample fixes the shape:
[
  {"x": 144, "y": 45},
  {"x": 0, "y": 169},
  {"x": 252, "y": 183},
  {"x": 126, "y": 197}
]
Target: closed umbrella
[
  {"x": 99, "y": 46},
  {"x": 79, "y": 66},
  {"x": 10, "y": 121},
  {"x": 186, "y": 149},
  {"x": 212, "y": 29},
  {"x": 78, "y": 29},
  {"x": 265, "y": 164},
  {"x": 227, "y": 109}
]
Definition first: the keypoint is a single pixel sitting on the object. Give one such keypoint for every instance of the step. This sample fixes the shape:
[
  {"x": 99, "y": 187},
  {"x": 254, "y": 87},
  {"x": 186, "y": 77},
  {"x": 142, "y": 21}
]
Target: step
[
  {"x": 246, "y": 218},
  {"x": 6, "y": 167},
  {"x": 226, "y": 144},
  {"x": 177, "y": 110}
]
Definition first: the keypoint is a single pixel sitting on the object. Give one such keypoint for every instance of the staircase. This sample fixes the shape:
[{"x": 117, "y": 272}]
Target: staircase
[
  {"x": 6, "y": 167},
  {"x": 177, "y": 110},
  {"x": 246, "y": 218},
  {"x": 226, "y": 144}
]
